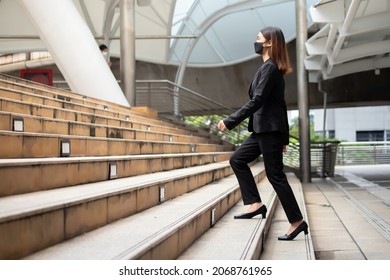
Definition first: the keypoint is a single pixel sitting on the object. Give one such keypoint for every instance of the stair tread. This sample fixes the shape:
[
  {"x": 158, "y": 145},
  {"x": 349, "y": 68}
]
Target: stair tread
[
  {"x": 239, "y": 234},
  {"x": 132, "y": 114},
  {"x": 301, "y": 248},
  {"x": 194, "y": 186},
  {"x": 127, "y": 238},
  {"x": 53, "y": 160},
  {"x": 25, "y": 204},
  {"x": 177, "y": 132},
  {"x": 38, "y": 134}
]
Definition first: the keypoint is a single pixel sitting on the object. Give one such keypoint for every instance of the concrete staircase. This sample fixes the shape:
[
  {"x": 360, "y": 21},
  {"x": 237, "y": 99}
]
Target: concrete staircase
[{"x": 88, "y": 179}]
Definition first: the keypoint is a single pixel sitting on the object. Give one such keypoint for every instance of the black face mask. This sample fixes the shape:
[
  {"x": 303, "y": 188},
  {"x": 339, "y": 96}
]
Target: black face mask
[{"x": 258, "y": 48}]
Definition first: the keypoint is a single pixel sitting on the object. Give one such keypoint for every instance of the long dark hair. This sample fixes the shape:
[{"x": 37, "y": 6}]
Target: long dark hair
[{"x": 278, "y": 50}]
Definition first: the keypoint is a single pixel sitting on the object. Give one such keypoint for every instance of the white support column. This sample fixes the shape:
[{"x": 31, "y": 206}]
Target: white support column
[
  {"x": 303, "y": 94},
  {"x": 74, "y": 49},
  {"x": 127, "y": 65}
]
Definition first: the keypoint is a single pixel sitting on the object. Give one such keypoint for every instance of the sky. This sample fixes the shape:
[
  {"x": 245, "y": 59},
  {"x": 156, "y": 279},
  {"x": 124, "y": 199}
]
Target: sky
[{"x": 182, "y": 6}]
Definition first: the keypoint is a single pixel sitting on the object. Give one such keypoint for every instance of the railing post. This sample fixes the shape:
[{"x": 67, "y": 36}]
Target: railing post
[
  {"x": 149, "y": 95},
  {"x": 323, "y": 159},
  {"x": 176, "y": 101}
]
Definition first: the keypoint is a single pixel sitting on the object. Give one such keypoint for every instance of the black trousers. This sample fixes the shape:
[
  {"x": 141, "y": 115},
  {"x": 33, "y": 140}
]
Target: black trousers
[{"x": 270, "y": 145}]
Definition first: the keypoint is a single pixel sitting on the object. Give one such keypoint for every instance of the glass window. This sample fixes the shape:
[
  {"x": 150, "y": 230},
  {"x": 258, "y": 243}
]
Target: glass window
[{"x": 375, "y": 135}]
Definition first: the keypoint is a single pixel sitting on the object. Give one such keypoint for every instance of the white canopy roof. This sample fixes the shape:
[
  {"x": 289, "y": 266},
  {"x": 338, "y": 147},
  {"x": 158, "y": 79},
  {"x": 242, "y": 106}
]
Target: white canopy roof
[
  {"x": 221, "y": 31},
  {"x": 352, "y": 36}
]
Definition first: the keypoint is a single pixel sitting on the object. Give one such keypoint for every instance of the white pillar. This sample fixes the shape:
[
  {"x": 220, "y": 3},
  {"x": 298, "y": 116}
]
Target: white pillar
[
  {"x": 127, "y": 32},
  {"x": 74, "y": 49},
  {"x": 303, "y": 93}
]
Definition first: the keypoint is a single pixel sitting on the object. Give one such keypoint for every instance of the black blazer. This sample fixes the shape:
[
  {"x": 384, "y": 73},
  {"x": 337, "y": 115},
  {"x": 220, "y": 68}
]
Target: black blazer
[{"x": 266, "y": 108}]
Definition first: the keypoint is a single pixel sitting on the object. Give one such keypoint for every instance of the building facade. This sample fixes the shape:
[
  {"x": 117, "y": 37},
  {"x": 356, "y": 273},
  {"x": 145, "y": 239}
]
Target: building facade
[{"x": 355, "y": 123}]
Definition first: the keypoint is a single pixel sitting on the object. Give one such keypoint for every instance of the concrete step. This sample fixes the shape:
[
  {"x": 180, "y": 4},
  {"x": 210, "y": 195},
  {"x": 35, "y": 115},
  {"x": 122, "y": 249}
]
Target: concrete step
[
  {"x": 161, "y": 232},
  {"x": 36, "y": 124},
  {"x": 33, "y": 221},
  {"x": 301, "y": 248},
  {"x": 255, "y": 238},
  {"x": 36, "y": 174},
  {"x": 30, "y": 93},
  {"x": 115, "y": 119},
  {"x": 21, "y": 96},
  {"x": 79, "y": 104},
  {"x": 39, "y": 93},
  {"x": 34, "y": 145},
  {"x": 231, "y": 239}
]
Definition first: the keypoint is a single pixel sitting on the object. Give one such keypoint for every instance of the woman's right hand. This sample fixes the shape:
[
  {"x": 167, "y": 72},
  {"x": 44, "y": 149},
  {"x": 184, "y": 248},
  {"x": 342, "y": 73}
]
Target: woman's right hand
[{"x": 221, "y": 126}]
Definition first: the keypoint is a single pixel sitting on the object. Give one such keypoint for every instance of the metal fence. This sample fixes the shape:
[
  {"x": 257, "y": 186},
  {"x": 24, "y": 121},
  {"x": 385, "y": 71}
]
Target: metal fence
[
  {"x": 354, "y": 153},
  {"x": 324, "y": 156}
]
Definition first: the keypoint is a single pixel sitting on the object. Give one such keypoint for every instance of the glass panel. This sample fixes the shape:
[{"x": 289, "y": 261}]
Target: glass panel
[{"x": 375, "y": 135}]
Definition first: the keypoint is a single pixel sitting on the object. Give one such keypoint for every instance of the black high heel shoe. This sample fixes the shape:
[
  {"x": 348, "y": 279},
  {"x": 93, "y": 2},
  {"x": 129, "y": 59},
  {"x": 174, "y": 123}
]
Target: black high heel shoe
[
  {"x": 302, "y": 227},
  {"x": 262, "y": 210}
]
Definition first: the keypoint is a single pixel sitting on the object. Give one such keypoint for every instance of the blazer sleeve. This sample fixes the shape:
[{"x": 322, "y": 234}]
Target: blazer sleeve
[{"x": 260, "y": 93}]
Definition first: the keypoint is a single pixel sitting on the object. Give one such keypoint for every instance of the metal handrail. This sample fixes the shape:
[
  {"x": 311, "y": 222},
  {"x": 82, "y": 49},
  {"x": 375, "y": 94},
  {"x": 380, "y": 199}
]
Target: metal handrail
[
  {"x": 353, "y": 153},
  {"x": 325, "y": 155},
  {"x": 169, "y": 98},
  {"x": 322, "y": 156}
]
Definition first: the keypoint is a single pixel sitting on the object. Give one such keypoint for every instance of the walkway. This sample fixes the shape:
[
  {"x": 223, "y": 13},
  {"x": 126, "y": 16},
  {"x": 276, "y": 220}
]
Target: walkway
[{"x": 349, "y": 213}]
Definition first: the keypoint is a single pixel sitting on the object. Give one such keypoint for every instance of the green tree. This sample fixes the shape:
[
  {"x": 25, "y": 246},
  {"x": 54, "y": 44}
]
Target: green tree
[
  {"x": 210, "y": 122},
  {"x": 314, "y": 137}
]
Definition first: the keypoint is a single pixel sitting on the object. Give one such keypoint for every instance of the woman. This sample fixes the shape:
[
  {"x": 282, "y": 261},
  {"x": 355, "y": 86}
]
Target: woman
[{"x": 268, "y": 123}]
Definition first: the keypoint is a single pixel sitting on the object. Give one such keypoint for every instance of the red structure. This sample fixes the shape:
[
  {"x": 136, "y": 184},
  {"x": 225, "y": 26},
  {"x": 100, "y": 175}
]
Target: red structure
[{"x": 42, "y": 76}]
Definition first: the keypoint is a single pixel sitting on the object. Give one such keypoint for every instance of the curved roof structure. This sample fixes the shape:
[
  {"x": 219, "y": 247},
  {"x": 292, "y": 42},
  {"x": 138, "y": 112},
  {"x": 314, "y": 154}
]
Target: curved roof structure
[
  {"x": 216, "y": 32},
  {"x": 225, "y": 30},
  {"x": 351, "y": 35}
]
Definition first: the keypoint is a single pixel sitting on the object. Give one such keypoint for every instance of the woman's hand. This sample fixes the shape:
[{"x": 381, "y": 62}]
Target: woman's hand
[
  {"x": 284, "y": 149},
  {"x": 221, "y": 126}
]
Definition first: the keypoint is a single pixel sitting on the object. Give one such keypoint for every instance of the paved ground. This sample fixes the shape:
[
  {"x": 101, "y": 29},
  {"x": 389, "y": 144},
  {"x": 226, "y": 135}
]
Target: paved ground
[
  {"x": 378, "y": 174},
  {"x": 349, "y": 213}
]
